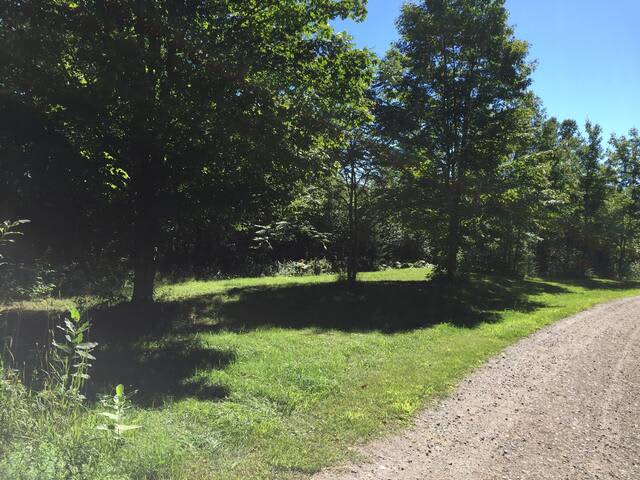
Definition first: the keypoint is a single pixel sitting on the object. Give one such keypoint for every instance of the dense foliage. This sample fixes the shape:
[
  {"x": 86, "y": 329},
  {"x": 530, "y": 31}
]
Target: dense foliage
[{"x": 234, "y": 137}]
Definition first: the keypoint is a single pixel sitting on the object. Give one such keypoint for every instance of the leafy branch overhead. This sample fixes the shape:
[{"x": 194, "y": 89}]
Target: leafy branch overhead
[{"x": 266, "y": 236}]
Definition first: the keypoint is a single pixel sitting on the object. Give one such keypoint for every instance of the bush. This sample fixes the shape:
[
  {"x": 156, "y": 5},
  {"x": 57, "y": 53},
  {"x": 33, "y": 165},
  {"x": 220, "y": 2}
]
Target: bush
[
  {"x": 27, "y": 282},
  {"x": 631, "y": 271},
  {"x": 293, "y": 268},
  {"x": 397, "y": 265}
]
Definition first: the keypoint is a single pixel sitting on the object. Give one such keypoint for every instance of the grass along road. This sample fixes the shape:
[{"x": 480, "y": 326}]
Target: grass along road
[
  {"x": 279, "y": 377},
  {"x": 562, "y": 401}
]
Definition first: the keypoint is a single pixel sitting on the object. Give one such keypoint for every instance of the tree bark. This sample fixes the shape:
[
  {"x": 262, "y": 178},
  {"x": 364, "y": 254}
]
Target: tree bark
[
  {"x": 453, "y": 247},
  {"x": 353, "y": 260},
  {"x": 144, "y": 260},
  {"x": 352, "y": 263},
  {"x": 453, "y": 237},
  {"x": 621, "y": 256},
  {"x": 145, "y": 230}
]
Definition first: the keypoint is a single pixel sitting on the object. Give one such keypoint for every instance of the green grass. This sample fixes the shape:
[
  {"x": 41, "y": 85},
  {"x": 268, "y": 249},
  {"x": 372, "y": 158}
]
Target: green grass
[
  {"x": 196, "y": 288},
  {"x": 276, "y": 378}
]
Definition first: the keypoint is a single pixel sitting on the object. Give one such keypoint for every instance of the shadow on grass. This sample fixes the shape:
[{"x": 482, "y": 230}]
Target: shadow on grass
[
  {"x": 159, "y": 370},
  {"x": 596, "y": 283},
  {"x": 384, "y": 306},
  {"x": 156, "y": 350},
  {"x": 139, "y": 348},
  {"x": 136, "y": 348}
]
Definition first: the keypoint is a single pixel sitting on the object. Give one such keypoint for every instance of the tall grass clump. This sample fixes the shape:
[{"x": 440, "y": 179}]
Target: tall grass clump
[
  {"x": 45, "y": 431},
  {"x": 50, "y": 431}
]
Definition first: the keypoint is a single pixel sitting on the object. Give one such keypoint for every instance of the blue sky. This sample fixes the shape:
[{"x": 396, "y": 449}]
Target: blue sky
[{"x": 588, "y": 54}]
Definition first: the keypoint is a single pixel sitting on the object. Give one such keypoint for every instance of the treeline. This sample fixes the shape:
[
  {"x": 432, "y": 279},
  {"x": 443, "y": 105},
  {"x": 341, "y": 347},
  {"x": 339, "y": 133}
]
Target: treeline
[{"x": 196, "y": 138}]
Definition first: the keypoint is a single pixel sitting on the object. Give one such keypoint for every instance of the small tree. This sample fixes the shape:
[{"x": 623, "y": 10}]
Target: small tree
[
  {"x": 352, "y": 154},
  {"x": 358, "y": 169}
]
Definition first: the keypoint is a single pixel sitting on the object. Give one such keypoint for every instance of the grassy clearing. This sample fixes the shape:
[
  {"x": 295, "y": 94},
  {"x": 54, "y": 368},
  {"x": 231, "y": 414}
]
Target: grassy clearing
[{"x": 278, "y": 377}]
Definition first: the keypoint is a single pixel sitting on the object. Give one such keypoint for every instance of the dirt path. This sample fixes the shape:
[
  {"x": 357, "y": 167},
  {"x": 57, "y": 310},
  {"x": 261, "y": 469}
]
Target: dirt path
[{"x": 561, "y": 404}]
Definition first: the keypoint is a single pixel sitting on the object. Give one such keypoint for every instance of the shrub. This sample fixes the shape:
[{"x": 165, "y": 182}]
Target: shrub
[{"x": 297, "y": 268}]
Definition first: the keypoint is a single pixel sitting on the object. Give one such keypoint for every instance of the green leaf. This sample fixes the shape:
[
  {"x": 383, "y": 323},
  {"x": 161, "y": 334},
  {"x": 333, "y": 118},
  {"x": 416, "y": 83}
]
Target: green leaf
[
  {"x": 120, "y": 390},
  {"x": 111, "y": 416},
  {"x": 85, "y": 355},
  {"x": 75, "y": 314}
]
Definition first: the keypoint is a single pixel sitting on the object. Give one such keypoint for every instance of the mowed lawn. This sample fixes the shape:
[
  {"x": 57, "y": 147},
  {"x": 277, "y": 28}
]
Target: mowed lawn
[{"x": 276, "y": 378}]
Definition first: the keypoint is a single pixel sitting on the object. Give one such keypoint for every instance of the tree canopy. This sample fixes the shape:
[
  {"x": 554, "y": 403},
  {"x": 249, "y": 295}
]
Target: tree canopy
[{"x": 197, "y": 138}]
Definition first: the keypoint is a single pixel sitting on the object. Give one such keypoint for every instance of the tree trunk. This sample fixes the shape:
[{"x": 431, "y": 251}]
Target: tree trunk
[
  {"x": 621, "y": 257},
  {"x": 352, "y": 269},
  {"x": 145, "y": 231},
  {"x": 453, "y": 239},
  {"x": 144, "y": 261},
  {"x": 352, "y": 263},
  {"x": 516, "y": 255},
  {"x": 542, "y": 258},
  {"x": 453, "y": 247}
]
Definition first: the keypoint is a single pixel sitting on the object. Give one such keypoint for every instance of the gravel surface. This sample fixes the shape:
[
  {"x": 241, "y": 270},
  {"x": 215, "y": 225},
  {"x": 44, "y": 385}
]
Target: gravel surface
[{"x": 563, "y": 403}]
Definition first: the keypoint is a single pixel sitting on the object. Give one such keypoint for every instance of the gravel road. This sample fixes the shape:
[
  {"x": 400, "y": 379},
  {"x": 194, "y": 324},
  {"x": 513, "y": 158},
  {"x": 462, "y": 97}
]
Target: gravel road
[{"x": 563, "y": 403}]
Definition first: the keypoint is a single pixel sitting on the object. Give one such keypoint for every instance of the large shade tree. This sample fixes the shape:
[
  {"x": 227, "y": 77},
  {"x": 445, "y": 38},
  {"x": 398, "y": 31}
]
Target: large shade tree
[
  {"x": 450, "y": 94},
  {"x": 171, "y": 110}
]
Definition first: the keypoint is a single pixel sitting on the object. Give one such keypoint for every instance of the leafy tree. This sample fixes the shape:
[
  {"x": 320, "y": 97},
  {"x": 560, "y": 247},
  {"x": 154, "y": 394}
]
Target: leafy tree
[
  {"x": 452, "y": 86},
  {"x": 351, "y": 153},
  {"x": 623, "y": 205},
  {"x": 166, "y": 105},
  {"x": 515, "y": 211},
  {"x": 358, "y": 167},
  {"x": 593, "y": 185},
  {"x": 194, "y": 137},
  {"x": 559, "y": 250}
]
